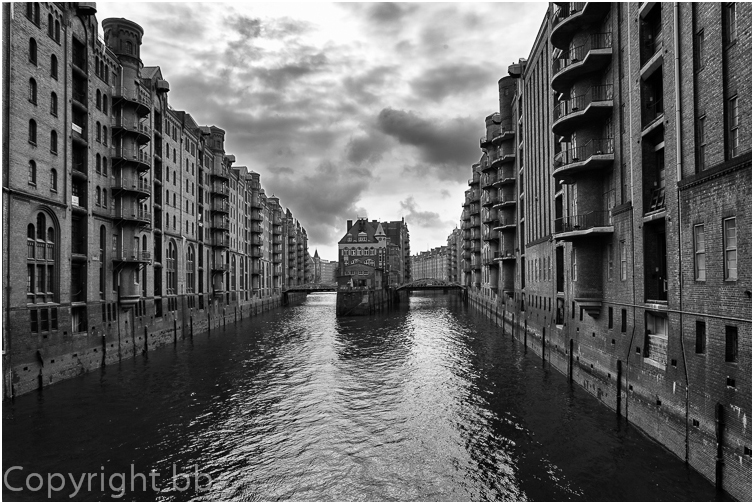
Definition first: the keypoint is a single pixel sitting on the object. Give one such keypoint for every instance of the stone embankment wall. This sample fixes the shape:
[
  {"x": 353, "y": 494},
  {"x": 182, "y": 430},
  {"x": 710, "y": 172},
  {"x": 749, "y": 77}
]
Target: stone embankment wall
[
  {"x": 661, "y": 415},
  {"x": 122, "y": 339}
]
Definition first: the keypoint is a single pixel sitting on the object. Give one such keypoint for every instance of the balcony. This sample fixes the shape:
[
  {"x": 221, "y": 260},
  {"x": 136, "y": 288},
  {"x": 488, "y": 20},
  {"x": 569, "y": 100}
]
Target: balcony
[
  {"x": 474, "y": 209},
  {"x": 596, "y": 154},
  {"x": 652, "y": 113},
  {"x": 490, "y": 218},
  {"x": 221, "y": 225},
  {"x": 490, "y": 262},
  {"x": 505, "y": 255},
  {"x": 590, "y": 108},
  {"x": 140, "y": 159},
  {"x": 573, "y": 17},
  {"x": 502, "y": 156},
  {"x": 489, "y": 200},
  {"x": 133, "y": 215},
  {"x": 256, "y": 216},
  {"x": 256, "y": 202},
  {"x": 220, "y": 241},
  {"x": 255, "y": 228},
  {"x": 474, "y": 181},
  {"x": 594, "y": 55},
  {"x": 506, "y": 133},
  {"x": 488, "y": 181},
  {"x": 139, "y": 130},
  {"x": 506, "y": 225},
  {"x": 220, "y": 206},
  {"x": 589, "y": 225},
  {"x": 506, "y": 199},
  {"x": 220, "y": 267},
  {"x": 127, "y": 255},
  {"x": 484, "y": 142},
  {"x": 256, "y": 252},
  {"x": 221, "y": 174},
  {"x": 221, "y": 190},
  {"x": 139, "y": 186},
  {"x": 505, "y": 176},
  {"x": 79, "y": 134},
  {"x": 137, "y": 98}
]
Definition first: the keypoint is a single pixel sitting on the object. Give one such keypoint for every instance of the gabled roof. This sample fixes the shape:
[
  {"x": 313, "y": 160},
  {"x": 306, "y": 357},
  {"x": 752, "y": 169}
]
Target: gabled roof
[{"x": 359, "y": 227}]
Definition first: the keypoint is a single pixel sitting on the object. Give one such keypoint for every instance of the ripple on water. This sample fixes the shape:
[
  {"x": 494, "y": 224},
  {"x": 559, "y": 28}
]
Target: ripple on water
[{"x": 427, "y": 402}]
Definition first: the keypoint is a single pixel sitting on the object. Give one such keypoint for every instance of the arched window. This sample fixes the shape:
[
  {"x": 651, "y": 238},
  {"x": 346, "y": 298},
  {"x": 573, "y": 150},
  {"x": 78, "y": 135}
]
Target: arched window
[
  {"x": 54, "y": 142},
  {"x": 99, "y": 132},
  {"x": 107, "y": 73},
  {"x": 233, "y": 272},
  {"x": 54, "y": 104},
  {"x": 41, "y": 271},
  {"x": 190, "y": 269},
  {"x": 98, "y": 100},
  {"x": 98, "y": 196},
  {"x": 33, "y": 51},
  {"x": 32, "y": 173},
  {"x": 33, "y": 91},
  {"x": 104, "y": 103},
  {"x": 36, "y": 13},
  {"x": 104, "y": 135},
  {"x": 104, "y": 166},
  {"x": 57, "y": 31},
  {"x": 104, "y": 198},
  {"x": 54, "y": 66},
  {"x": 98, "y": 163},
  {"x": 50, "y": 26},
  {"x": 97, "y": 67},
  {"x": 129, "y": 47},
  {"x": 54, "y": 180}
]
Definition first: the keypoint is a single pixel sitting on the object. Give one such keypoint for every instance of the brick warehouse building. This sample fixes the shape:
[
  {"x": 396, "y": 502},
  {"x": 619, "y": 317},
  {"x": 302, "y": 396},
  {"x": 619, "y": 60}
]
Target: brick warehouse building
[
  {"x": 619, "y": 164},
  {"x": 126, "y": 221}
]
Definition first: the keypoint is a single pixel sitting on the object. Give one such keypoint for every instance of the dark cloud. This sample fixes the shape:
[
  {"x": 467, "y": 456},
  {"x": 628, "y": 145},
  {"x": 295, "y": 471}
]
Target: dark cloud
[
  {"x": 442, "y": 81},
  {"x": 448, "y": 147},
  {"x": 389, "y": 13},
  {"x": 415, "y": 217},
  {"x": 322, "y": 199},
  {"x": 445, "y": 193},
  {"x": 368, "y": 148},
  {"x": 366, "y": 87},
  {"x": 278, "y": 78},
  {"x": 245, "y": 26}
]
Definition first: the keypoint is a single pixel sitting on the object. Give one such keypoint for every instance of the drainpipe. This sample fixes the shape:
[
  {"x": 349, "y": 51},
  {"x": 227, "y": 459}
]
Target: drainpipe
[
  {"x": 679, "y": 175},
  {"x": 633, "y": 239}
]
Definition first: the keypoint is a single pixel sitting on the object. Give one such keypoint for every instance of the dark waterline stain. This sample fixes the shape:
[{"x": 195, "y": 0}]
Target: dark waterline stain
[{"x": 428, "y": 402}]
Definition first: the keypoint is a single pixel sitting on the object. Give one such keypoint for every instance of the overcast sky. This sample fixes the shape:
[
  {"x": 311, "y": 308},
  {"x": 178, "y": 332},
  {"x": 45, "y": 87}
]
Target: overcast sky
[{"x": 346, "y": 110}]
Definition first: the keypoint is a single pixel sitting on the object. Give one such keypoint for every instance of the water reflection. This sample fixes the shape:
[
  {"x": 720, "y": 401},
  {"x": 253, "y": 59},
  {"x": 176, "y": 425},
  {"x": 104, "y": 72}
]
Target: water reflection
[{"x": 428, "y": 402}]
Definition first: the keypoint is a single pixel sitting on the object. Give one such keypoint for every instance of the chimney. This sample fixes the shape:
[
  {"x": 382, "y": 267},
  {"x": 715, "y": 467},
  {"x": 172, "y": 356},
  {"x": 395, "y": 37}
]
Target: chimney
[{"x": 349, "y": 225}]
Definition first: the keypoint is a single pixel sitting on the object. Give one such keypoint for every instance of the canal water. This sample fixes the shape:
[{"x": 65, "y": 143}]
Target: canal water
[{"x": 429, "y": 402}]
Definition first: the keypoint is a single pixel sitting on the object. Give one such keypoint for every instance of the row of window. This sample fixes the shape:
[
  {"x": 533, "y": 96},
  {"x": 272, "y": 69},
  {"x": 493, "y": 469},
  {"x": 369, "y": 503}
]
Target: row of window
[
  {"x": 33, "y": 59},
  {"x": 730, "y": 251},
  {"x": 33, "y": 136},
  {"x": 41, "y": 281},
  {"x": 33, "y": 176},
  {"x": 53, "y": 25}
]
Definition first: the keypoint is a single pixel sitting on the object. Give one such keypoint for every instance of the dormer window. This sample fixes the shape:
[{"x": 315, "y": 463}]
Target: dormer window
[{"x": 350, "y": 238}]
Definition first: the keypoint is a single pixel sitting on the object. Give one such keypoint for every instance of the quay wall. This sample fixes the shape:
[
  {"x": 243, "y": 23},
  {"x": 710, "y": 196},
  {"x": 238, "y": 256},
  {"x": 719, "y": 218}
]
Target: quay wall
[
  {"x": 39, "y": 364},
  {"x": 660, "y": 410}
]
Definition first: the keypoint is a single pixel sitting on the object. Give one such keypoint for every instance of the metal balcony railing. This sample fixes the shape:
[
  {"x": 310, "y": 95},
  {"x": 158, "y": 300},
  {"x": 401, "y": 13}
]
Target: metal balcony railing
[
  {"x": 133, "y": 184},
  {"x": 578, "y": 53},
  {"x": 602, "y": 92},
  {"x": 135, "y": 255},
  {"x": 598, "y": 218},
  {"x": 594, "y": 147},
  {"x": 566, "y": 11}
]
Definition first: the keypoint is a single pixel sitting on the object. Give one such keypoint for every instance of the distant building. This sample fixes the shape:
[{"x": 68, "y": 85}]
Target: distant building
[
  {"x": 431, "y": 264},
  {"x": 365, "y": 243},
  {"x": 455, "y": 256},
  {"x": 397, "y": 233}
]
